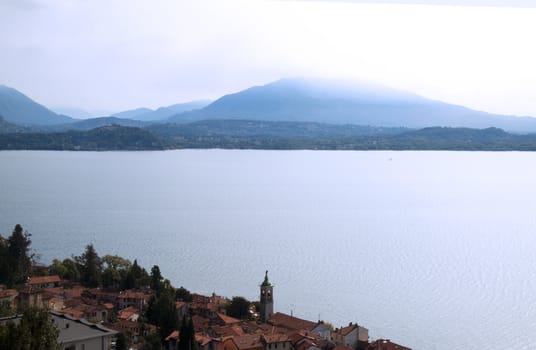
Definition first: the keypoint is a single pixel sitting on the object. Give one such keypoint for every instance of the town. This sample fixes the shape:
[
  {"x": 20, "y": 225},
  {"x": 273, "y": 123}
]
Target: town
[{"x": 111, "y": 303}]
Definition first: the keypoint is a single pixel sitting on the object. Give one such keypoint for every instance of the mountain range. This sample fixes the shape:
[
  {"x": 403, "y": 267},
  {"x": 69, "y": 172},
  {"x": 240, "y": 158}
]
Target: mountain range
[{"x": 286, "y": 100}]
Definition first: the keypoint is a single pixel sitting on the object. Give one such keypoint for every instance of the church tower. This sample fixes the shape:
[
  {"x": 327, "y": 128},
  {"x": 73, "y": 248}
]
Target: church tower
[{"x": 267, "y": 299}]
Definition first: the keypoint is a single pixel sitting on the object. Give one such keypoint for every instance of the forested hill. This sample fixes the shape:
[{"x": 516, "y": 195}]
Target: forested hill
[
  {"x": 247, "y": 134},
  {"x": 106, "y": 138}
]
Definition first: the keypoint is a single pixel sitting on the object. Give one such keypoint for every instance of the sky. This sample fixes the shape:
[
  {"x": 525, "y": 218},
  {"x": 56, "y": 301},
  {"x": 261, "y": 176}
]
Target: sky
[{"x": 116, "y": 55}]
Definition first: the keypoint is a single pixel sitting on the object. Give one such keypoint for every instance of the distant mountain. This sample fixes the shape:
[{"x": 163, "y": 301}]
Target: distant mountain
[
  {"x": 19, "y": 109},
  {"x": 7, "y": 127},
  {"x": 132, "y": 113},
  {"x": 344, "y": 102},
  {"x": 78, "y": 113},
  {"x": 91, "y": 123},
  {"x": 162, "y": 113}
]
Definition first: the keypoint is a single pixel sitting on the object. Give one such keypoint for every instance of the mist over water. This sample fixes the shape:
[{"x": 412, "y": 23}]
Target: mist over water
[{"x": 434, "y": 250}]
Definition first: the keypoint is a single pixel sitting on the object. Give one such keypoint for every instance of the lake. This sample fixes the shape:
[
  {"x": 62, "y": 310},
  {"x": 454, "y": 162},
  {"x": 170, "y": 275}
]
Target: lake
[{"x": 433, "y": 250}]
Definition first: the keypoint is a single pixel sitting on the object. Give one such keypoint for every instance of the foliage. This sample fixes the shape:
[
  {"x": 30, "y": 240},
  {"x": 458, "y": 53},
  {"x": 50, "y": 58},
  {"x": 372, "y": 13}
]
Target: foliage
[
  {"x": 111, "y": 137},
  {"x": 152, "y": 342},
  {"x": 5, "y": 308},
  {"x": 238, "y": 308},
  {"x": 136, "y": 277},
  {"x": 121, "y": 342},
  {"x": 115, "y": 272},
  {"x": 90, "y": 266},
  {"x": 156, "y": 280},
  {"x": 36, "y": 330},
  {"x": 15, "y": 258},
  {"x": 183, "y": 294},
  {"x": 255, "y": 134},
  {"x": 161, "y": 311},
  {"x": 187, "y": 335}
]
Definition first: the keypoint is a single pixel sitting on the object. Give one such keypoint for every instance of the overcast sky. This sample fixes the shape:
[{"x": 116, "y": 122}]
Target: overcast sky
[{"x": 116, "y": 55}]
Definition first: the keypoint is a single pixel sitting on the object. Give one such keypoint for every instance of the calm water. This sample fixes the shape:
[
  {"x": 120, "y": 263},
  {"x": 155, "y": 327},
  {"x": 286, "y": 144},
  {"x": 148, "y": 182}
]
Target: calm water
[{"x": 434, "y": 250}]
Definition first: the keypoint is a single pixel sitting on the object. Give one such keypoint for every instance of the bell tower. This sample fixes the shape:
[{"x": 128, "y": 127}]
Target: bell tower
[{"x": 267, "y": 299}]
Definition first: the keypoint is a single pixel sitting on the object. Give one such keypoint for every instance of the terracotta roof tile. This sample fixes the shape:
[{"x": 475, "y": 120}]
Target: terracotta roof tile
[
  {"x": 44, "y": 280},
  {"x": 291, "y": 322}
]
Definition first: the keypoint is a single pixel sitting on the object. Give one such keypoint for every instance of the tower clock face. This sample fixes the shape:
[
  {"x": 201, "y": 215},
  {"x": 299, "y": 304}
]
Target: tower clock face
[{"x": 263, "y": 292}]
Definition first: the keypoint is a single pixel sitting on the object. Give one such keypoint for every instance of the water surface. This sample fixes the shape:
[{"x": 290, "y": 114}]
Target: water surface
[{"x": 434, "y": 250}]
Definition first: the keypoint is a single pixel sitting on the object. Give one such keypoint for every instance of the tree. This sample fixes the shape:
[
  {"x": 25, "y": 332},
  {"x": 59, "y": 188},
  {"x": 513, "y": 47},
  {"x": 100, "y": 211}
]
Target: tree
[
  {"x": 161, "y": 312},
  {"x": 57, "y": 268},
  {"x": 152, "y": 342},
  {"x": 121, "y": 342},
  {"x": 18, "y": 261},
  {"x": 183, "y": 294},
  {"x": 136, "y": 277},
  {"x": 238, "y": 308},
  {"x": 72, "y": 274},
  {"x": 187, "y": 336},
  {"x": 5, "y": 308},
  {"x": 156, "y": 280},
  {"x": 36, "y": 330},
  {"x": 90, "y": 266}
]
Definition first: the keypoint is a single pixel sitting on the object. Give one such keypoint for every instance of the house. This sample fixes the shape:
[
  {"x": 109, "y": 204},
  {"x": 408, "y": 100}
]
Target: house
[
  {"x": 385, "y": 344},
  {"x": 305, "y": 340},
  {"x": 276, "y": 341},
  {"x": 94, "y": 313},
  {"x": 280, "y": 319},
  {"x": 9, "y": 296},
  {"x": 44, "y": 282},
  {"x": 133, "y": 330},
  {"x": 31, "y": 297},
  {"x": 204, "y": 341},
  {"x": 75, "y": 333},
  {"x": 224, "y": 320},
  {"x": 130, "y": 314},
  {"x": 352, "y": 335},
  {"x": 132, "y": 298},
  {"x": 182, "y": 308},
  {"x": 244, "y": 342}
]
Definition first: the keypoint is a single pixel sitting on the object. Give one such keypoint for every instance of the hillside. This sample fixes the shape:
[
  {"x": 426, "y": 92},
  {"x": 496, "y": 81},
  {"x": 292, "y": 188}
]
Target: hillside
[
  {"x": 19, "y": 109},
  {"x": 106, "y": 138},
  {"x": 162, "y": 113},
  {"x": 343, "y": 102}
]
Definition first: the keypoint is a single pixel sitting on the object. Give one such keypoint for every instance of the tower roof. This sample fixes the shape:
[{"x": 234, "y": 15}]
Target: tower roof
[{"x": 266, "y": 283}]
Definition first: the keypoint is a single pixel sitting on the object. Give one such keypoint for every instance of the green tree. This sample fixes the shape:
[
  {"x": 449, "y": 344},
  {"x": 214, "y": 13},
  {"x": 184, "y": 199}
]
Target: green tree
[
  {"x": 161, "y": 312},
  {"x": 36, "y": 330},
  {"x": 152, "y": 342},
  {"x": 57, "y": 268},
  {"x": 183, "y": 294},
  {"x": 238, "y": 308},
  {"x": 5, "y": 308},
  {"x": 19, "y": 259},
  {"x": 136, "y": 277},
  {"x": 121, "y": 342},
  {"x": 5, "y": 266},
  {"x": 187, "y": 336},
  {"x": 90, "y": 266},
  {"x": 156, "y": 280},
  {"x": 72, "y": 274}
]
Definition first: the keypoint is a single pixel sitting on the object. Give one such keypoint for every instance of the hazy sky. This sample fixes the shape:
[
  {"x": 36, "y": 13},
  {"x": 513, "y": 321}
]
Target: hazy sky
[{"x": 117, "y": 55}]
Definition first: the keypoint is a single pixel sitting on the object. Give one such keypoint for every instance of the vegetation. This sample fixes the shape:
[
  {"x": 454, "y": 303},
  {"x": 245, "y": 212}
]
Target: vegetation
[
  {"x": 247, "y": 134},
  {"x": 239, "y": 308},
  {"x": 15, "y": 257},
  {"x": 105, "y": 138},
  {"x": 187, "y": 335},
  {"x": 36, "y": 330}
]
